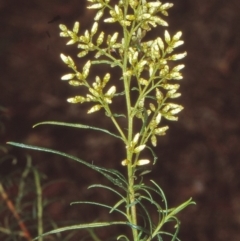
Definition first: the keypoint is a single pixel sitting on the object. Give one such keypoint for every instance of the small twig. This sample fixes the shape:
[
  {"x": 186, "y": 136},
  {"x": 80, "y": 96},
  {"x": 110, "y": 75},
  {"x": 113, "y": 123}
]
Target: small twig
[{"x": 12, "y": 209}]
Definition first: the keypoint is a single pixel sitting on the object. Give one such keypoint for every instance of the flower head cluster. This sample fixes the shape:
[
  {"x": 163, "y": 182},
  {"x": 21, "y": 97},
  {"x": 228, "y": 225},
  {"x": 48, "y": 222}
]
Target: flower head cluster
[{"x": 147, "y": 66}]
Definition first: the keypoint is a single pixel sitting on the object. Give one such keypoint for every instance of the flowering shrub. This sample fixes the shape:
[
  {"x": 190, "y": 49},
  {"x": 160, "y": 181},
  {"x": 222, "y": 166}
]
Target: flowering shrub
[{"x": 148, "y": 68}]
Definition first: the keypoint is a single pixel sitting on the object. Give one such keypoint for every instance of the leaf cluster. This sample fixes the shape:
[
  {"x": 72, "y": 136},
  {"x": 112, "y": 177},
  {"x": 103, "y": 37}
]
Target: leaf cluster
[{"x": 144, "y": 197}]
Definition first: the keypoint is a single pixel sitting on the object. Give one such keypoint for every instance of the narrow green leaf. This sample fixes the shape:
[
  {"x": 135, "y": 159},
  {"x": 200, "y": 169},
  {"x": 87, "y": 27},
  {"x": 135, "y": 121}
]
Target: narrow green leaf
[
  {"x": 137, "y": 200},
  {"x": 162, "y": 195},
  {"x": 158, "y": 207},
  {"x": 81, "y": 126},
  {"x": 177, "y": 226},
  {"x": 167, "y": 234},
  {"x": 181, "y": 207},
  {"x": 117, "y": 205},
  {"x": 153, "y": 154},
  {"x": 83, "y": 226},
  {"x": 123, "y": 236},
  {"x": 148, "y": 217},
  {"x": 109, "y": 188},
  {"x": 120, "y": 180},
  {"x": 143, "y": 187},
  {"x": 99, "y": 204},
  {"x": 133, "y": 226}
]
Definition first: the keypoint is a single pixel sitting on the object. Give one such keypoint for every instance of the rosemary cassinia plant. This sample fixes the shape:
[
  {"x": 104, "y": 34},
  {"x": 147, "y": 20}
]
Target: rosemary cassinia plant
[{"x": 148, "y": 70}]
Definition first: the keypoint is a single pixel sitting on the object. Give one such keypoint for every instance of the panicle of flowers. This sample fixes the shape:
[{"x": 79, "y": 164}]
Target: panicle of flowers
[{"x": 150, "y": 66}]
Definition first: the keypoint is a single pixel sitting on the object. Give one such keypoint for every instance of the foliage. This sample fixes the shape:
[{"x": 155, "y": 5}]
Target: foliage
[
  {"x": 148, "y": 69},
  {"x": 22, "y": 199}
]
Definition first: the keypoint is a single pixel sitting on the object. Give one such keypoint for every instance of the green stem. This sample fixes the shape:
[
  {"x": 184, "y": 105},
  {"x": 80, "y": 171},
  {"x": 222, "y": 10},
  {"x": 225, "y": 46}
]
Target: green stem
[
  {"x": 130, "y": 168},
  {"x": 109, "y": 112},
  {"x": 39, "y": 203}
]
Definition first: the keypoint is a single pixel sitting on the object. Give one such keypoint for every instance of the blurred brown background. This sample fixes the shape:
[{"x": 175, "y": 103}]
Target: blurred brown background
[{"x": 199, "y": 156}]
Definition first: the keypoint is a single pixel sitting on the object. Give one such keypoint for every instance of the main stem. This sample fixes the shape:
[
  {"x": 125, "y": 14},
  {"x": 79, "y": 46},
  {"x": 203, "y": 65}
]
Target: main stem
[{"x": 132, "y": 213}]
